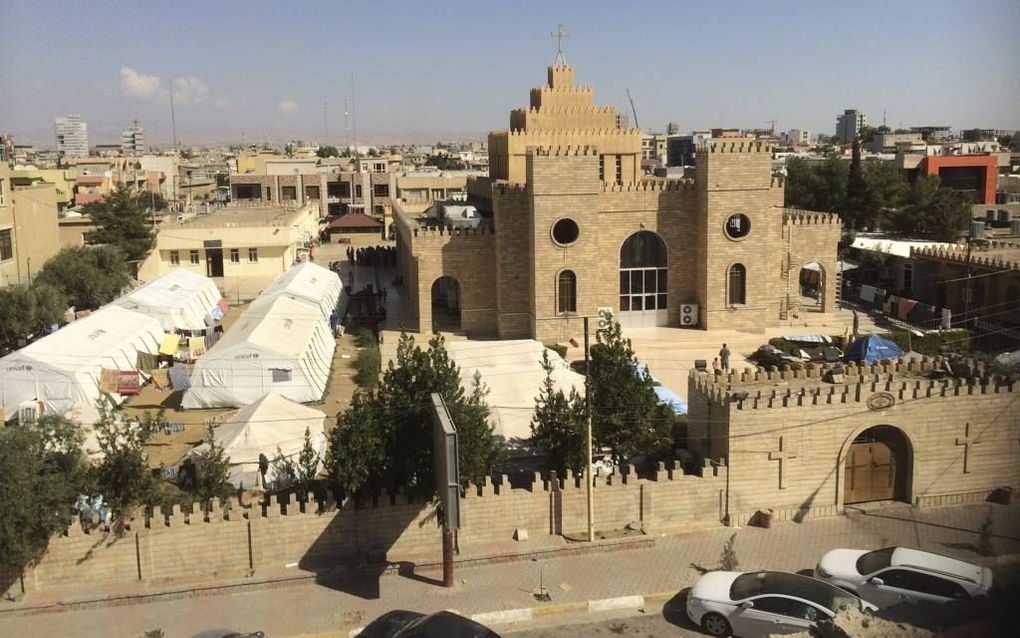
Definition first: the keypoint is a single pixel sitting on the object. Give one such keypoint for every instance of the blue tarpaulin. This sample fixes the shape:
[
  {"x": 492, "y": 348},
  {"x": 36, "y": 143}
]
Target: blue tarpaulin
[
  {"x": 872, "y": 348},
  {"x": 670, "y": 398}
]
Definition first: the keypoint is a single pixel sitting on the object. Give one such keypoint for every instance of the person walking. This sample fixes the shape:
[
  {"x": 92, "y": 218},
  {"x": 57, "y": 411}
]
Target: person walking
[
  {"x": 724, "y": 358},
  {"x": 716, "y": 366}
]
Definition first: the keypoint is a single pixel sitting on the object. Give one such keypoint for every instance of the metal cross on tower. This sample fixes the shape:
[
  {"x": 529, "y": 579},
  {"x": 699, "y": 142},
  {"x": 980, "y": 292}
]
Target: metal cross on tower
[{"x": 560, "y": 34}]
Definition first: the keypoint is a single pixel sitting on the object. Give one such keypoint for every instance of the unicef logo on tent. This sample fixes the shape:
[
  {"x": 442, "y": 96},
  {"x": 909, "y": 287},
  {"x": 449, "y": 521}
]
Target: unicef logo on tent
[{"x": 247, "y": 355}]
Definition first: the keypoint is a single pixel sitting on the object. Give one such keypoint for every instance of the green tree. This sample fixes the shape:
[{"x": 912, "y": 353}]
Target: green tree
[
  {"x": 122, "y": 477},
  {"x": 327, "y": 151},
  {"x": 559, "y": 423},
  {"x": 627, "y": 416},
  {"x": 27, "y": 311},
  {"x": 816, "y": 186},
  {"x": 480, "y": 451},
  {"x": 385, "y": 438},
  {"x": 931, "y": 212},
  {"x": 42, "y": 469},
  {"x": 307, "y": 464},
  {"x": 1006, "y": 141},
  {"x": 122, "y": 219},
  {"x": 88, "y": 276},
  {"x": 357, "y": 445},
  {"x": 884, "y": 189},
  {"x": 856, "y": 205},
  {"x": 212, "y": 467}
]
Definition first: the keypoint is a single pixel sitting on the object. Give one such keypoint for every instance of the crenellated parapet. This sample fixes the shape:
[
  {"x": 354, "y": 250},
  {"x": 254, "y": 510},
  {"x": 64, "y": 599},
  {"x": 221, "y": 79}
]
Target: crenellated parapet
[
  {"x": 446, "y": 233},
  {"x": 798, "y": 217},
  {"x": 959, "y": 254},
  {"x": 744, "y": 145},
  {"x": 649, "y": 185},
  {"x": 760, "y": 388},
  {"x": 565, "y": 151}
]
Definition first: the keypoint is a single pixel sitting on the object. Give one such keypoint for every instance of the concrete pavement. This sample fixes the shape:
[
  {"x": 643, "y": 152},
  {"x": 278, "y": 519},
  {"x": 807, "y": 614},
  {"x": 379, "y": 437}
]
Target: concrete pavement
[{"x": 673, "y": 563}]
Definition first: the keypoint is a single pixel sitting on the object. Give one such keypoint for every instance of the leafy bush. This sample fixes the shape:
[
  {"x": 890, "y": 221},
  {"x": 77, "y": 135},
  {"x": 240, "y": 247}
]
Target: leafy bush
[
  {"x": 955, "y": 341},
  {"x": 559, "y": 349},
  {"x": 364, "y": 338},
  {"x": 367, "y": 366}
]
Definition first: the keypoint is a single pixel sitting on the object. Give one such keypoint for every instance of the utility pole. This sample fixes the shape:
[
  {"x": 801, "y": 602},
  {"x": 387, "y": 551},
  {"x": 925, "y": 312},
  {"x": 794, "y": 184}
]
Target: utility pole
[
  {"x": 589, "y": 474},
  {"x": 632, "y": 109},
  {"x": 173, "y": 119},
  {"x": 966, "y": 284},
  {"x": 325, "y": 123},
  {"x": 354, "y": 118}
]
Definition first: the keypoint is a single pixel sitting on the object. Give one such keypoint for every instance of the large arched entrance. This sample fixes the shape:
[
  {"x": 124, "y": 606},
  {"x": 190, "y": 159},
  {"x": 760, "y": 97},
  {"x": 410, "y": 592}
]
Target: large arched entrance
[
  {"x": 446, "y": 304},
  {"x": 812, "y": 287},
  {"x": 644, "y": 301},
  {"x": 877, "y": 466}
]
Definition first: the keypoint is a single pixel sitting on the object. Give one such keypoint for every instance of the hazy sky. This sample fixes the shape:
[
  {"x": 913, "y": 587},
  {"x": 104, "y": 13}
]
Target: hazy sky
[{"x": 455, "y": 69}]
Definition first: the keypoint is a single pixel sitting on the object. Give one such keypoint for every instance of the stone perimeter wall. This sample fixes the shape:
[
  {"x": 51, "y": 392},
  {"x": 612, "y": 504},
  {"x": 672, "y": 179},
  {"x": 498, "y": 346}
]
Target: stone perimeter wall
[{"x": 182, "y": 547}]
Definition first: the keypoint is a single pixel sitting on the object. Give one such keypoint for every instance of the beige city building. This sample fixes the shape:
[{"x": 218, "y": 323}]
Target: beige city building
[
  {"x": 28, "y": 228},
  {"x": 234, "y": 243},
  {"x": 576, "y": 230}
]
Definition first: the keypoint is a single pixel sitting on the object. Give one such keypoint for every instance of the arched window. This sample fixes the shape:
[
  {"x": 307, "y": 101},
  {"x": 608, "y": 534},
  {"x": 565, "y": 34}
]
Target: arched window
[
  {"x": 643, "y": 280},
  {"x": 738, "y": 285},
  {"x": 566, "y": 292}
]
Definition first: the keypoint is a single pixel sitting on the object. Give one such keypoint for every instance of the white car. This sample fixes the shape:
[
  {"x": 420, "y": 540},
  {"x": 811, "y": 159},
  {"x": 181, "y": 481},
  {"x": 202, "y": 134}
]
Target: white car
[
  {"x": 764, "y": 603},
  {"x": 893, "y": 575}
]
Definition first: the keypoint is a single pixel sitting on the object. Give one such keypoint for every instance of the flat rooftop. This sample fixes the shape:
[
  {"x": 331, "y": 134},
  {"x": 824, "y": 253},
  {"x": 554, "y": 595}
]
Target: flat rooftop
[{"x": 244, "y": 216}]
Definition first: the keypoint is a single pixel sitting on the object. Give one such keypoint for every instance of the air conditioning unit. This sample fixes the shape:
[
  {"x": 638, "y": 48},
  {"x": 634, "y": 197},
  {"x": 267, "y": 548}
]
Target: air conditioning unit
[
  {"x": 689, "y": 315},
  {"x": 605, "y": 318},
  {"x": 30, "y": 411}
]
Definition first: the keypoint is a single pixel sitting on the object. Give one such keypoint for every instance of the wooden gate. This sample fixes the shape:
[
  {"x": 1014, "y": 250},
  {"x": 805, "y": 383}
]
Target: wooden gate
[{"x": 870, "y": 473}]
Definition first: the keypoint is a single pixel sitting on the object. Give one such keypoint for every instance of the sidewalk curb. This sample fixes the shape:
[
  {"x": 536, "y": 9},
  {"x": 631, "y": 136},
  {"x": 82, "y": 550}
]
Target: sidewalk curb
[{"x": 526, "y": 614}]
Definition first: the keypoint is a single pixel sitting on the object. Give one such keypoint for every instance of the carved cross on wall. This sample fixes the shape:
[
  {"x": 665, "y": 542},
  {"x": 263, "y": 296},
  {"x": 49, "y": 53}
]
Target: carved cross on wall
[
  {"x": 782, "y": 455},
  {"x": 966, "y": 442}
]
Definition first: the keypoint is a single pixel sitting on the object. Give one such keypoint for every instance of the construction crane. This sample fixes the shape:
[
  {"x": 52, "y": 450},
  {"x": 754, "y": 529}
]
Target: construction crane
[{"x": 632, "y": 109}]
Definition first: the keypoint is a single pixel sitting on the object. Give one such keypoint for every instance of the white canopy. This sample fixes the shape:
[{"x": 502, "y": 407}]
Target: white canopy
[
  {"x": 270, "y": 426},
  {"x": 179, "y": 299},
  {"x": 512, "y": 370},
  {"x": 275, "y": 346},
  {"x": 62, "y": 369},
  {"x": 310, "y": 284}
]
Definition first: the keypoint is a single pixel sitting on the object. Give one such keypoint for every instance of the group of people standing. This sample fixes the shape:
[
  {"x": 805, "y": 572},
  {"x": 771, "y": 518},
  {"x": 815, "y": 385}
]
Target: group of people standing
[{"x": 380, "y": 256}]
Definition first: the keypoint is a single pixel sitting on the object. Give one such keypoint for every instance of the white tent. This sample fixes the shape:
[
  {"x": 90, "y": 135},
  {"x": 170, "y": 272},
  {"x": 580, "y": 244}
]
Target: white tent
[
  {"x": 512, "y": 371},
  {"x": 308, "y": 283},
  {"x": 270, "y": 426},
  {"x": 275, "y": 346},
  {"x": 62, "y": 369},
  {"x": 179, "y": 299}
]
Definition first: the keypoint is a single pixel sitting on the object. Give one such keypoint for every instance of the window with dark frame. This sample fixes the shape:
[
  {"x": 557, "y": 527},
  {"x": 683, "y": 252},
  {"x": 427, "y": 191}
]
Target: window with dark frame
[
  {"x": 643, "y": 273},
  {"x": 235, "y": 256},
  {"x": 253, "y": 255},
  {"x": 193, "y": 256},
  {"x": 6, "y": 245},
  {"x": 566, "y": 292},
  {"x": 175, "y": 257},
  {"x": 737, "y": 285}
]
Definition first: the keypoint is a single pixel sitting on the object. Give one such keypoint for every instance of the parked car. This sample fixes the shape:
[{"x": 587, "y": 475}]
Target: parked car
[
  {"x": 410, "y": 624},
  {"x": 764, "y": 603},
  {"x": 893, "y": 575}
]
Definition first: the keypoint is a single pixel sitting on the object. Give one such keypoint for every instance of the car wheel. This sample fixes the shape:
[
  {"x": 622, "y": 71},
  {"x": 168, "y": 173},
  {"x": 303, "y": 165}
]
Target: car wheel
[{"x": 716, "y": 625}]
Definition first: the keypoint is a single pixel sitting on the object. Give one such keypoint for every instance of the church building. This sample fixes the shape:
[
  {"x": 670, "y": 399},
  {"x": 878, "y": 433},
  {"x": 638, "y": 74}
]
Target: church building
[{"x": 577, "y": 229}]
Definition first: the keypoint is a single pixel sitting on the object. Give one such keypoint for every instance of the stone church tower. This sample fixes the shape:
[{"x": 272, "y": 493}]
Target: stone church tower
[{"x": 577, "y": 230}]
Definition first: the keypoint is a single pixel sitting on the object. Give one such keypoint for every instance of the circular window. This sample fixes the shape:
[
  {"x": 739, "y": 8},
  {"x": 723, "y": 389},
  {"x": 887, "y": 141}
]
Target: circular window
[
  {"x": 565, "y": 231},
  {"x": 738, "y": 226}
]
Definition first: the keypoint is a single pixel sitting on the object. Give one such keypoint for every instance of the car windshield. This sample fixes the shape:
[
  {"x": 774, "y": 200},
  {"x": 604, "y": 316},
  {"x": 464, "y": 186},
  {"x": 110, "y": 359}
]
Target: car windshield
[
  {"x": 761, "y": 583},
  {"x": 873, "y": 561}
]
